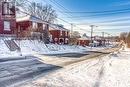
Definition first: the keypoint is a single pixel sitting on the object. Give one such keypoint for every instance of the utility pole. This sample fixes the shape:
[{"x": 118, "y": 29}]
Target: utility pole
[
  {"x": 71, "y": 31},
  {"x": 108, "y": 39},
  {"x": 103, "y": 40},
  {"x": 92, "y": 27}
]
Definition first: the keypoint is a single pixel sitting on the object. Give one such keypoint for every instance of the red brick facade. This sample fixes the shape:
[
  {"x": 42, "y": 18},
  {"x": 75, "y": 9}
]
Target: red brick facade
[
  {"x": 83, "y": 41},
  {"x": 26, "y": 26},
  {"x": 59, "y": 36},
  {"x": 7, "y": 18}
]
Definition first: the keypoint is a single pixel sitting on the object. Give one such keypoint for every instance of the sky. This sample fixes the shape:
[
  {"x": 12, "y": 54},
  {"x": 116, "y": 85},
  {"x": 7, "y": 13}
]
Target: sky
[{"x": 76, "y": 12}]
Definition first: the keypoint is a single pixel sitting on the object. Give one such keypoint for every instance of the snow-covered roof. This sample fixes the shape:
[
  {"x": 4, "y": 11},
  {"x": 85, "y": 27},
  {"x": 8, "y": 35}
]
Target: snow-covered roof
[
  {"x": 30, "y": 18},
  {"x": 56, "y": 27},
  {"x": 98, "y": 38},
  {"x": 84, "y": 38},
  {"x": 38, "y": 20},
  {"x": 95, "y": 41}
]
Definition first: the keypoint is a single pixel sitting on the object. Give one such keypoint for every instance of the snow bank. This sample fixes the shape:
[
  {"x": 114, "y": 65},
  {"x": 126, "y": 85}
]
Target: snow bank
[
  {"x": 5, "y": 52},
  {"x": 31, "y": 47},
  {"x": 34, "y": 46}
]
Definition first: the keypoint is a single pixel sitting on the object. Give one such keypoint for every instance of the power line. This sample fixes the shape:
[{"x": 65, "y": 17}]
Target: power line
[
  {"x": 58, "y": 4},
  {"x": 101, "y": 14},
  {"x": 92, "y": 12},
  {"x": 106, "y": 11},
  {"x": 47, "y": 23},
  {"x": 53, "y": 6},
  {"x": 60, "y": 7},
  {"x": 54, "y": 1},
  {"x": 67, "y": 10},
  {"x": 65, "y": 21},
  {"x": 107, "y": 21}
]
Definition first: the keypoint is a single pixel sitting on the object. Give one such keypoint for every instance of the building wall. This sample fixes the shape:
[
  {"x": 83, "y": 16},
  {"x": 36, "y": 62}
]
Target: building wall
[
  {"x": 83, "y": 42},
  {"x": 10, "y": 18},
  {"x": 26, "y": 27},
  {"x": 59, "y": 38},
  {"x": 23, "y": 28}
]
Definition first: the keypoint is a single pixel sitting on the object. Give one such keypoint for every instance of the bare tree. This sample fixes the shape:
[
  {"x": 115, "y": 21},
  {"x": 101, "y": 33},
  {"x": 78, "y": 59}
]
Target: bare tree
[
  {"x": 20, "y": 3},
  {"x": 75, "y": 34},
  {"x": 45, "y": 13},
  {"x": 128, "y": 40},
  {"x": 74, "y": 38},
  {"x": 123, "y": 36}
]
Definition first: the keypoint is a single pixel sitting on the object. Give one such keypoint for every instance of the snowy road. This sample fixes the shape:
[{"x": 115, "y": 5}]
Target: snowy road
[
  {"x": 109, "y": 71},
  {"x": 19, "y": 69}
]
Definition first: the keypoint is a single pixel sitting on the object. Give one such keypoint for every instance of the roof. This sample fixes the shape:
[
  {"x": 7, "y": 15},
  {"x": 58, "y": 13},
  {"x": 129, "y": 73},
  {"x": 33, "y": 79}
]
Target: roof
[
  {"x": 38, "y": 20},
  {"x": 56, "y": 27},
  {"x": 98, "y": 38},
  {"x": 95, "y": 41},
  {"x": 84, "y": 38},
  {"x": 29, "y": 18}
]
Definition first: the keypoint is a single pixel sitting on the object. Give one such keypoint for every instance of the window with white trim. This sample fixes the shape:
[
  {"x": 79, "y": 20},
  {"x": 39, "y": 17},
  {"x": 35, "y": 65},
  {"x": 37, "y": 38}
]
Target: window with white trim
[{"x": 7, "y": 25}]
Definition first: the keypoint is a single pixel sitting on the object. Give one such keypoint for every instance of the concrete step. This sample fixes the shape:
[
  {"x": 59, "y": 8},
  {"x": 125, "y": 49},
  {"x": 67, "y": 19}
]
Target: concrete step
[{"x": 12, "y": 45}]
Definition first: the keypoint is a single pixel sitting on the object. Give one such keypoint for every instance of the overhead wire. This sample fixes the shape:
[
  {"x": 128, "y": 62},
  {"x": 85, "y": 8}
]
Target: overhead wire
[
  {"x": 61, "y": 18},
  {"x": 106, "y": 11}
]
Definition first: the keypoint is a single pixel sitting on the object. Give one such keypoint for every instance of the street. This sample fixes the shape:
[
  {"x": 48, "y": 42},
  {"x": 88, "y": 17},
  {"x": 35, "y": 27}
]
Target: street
[
  {"x": 22, "y": 69},
  {"x": 112, "y": 70},
  {"x": 18, "y": 70}
]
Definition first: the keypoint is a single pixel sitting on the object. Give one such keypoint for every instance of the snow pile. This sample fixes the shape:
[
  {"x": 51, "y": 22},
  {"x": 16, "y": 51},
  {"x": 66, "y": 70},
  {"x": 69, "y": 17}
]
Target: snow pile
[
  {"x": 31, "y": 47},
  {"x": 34, "y": 46},
  {"x": 109, "y": 71}
]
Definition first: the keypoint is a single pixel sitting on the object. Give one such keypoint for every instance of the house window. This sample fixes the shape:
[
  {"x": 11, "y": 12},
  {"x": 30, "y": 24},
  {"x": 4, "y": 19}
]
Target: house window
[
  {"x": 35, "y": 25},
  {"x": 8, "y": 8},
  {"x": 66, "y": 33},
  {"x": 61, "y": 33},
  {"x": 7, "y": 25},
  {"x": 66, "y": 40}
]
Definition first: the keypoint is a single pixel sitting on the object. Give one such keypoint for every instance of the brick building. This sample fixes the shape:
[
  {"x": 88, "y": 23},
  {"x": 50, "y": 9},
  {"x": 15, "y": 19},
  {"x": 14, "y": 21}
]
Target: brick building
[
  {"x": 59, "y": 34},
  {"x": 7, "y": 17},
  {"x": 84, "y": 41},
  {"x": 26, "y": 25}
]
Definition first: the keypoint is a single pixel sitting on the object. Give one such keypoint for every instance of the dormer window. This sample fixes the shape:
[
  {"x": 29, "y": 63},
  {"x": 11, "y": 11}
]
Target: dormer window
[{"x": 8, "y": 8}]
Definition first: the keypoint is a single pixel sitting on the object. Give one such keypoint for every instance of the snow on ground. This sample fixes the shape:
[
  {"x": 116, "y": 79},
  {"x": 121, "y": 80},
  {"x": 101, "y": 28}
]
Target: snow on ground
[
  {"x": 110, "y": 71},
  {"x": 30, "y": 47},
  {"x": 5, "y": 52},
  {"x": 41, "y": 48}
]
